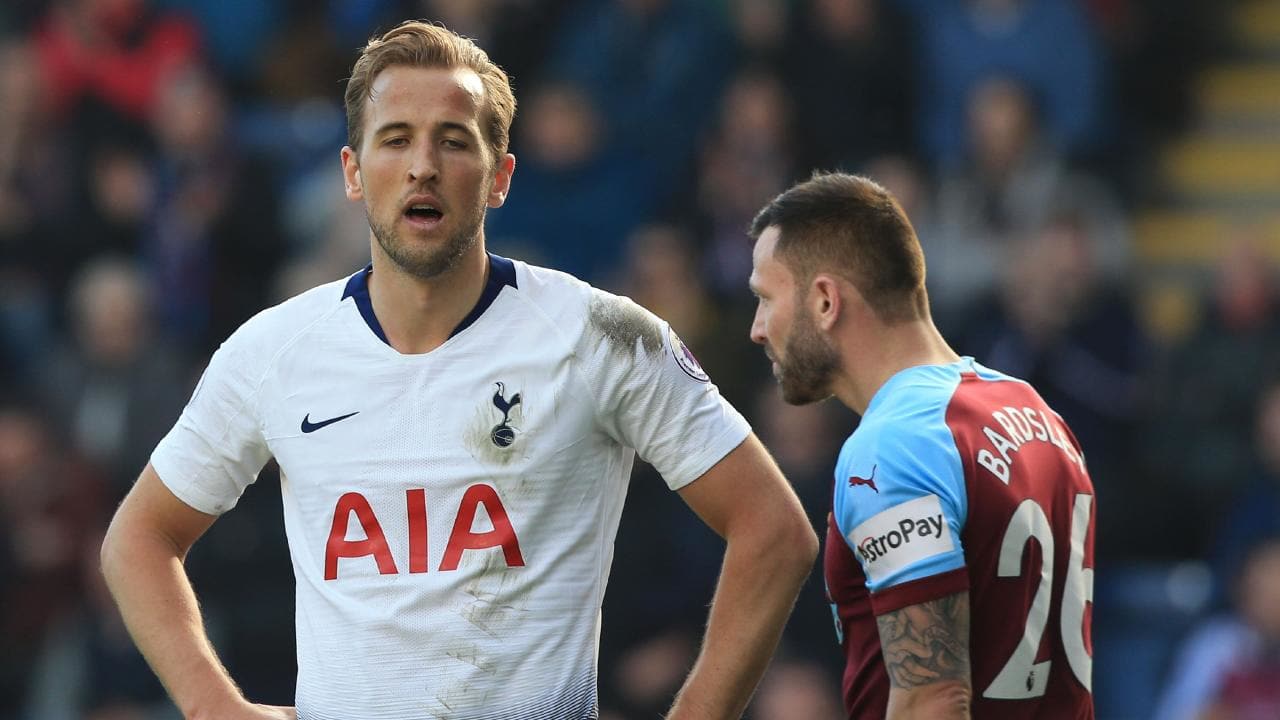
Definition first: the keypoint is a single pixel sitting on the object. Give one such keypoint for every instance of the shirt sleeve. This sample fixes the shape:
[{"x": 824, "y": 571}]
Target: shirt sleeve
[
  {"x": 900, "y": 503},
  {"x": 217, "y": 447},
  {"x": 652, "y": 395}
]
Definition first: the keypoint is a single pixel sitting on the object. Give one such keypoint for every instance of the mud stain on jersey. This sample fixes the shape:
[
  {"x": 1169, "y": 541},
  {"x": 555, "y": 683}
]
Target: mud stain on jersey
[
  {"x": 622, "y": 323},
  {"x": 490, "y": 608},
  {"x": 472, "y": 656}
]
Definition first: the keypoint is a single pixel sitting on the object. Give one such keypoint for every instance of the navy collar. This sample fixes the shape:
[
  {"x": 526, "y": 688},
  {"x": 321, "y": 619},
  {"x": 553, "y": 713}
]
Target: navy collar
[{"x": 502, "y": 273}]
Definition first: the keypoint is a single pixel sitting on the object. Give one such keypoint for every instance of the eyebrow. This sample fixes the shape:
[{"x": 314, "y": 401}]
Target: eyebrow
[
  {"x": 402, "y": 125},
  {"x": 388, "y": 127},
  {"x": 458, "y": 127}
]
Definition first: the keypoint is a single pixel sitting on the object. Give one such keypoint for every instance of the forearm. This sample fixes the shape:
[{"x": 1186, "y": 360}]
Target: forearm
[
  {"x": 943, "y": 701},
  {"x": 926, "y": 655},
  {"x": 757, "y": 589},
  {"x": 147, "y": 579}
]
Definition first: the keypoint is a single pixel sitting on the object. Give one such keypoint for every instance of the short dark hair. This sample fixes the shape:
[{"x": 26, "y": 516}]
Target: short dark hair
[
  {"x": 416, "y": 43},
  {"x": 851, "y": 226}
]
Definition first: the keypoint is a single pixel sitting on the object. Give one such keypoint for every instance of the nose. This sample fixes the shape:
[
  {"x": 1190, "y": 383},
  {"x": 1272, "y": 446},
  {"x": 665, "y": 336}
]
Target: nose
[
  {"x": 758, "y": 335},
  {"x": 423, "y": 165}
]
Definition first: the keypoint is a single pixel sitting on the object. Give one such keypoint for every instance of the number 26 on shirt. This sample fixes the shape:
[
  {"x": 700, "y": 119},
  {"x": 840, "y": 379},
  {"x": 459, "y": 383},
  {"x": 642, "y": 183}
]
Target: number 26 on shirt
[{"x": 1023, "y": 677}]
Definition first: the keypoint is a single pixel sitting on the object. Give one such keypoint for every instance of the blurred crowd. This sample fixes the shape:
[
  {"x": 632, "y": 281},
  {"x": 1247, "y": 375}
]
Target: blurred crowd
[{"x": 170, "y": 167}]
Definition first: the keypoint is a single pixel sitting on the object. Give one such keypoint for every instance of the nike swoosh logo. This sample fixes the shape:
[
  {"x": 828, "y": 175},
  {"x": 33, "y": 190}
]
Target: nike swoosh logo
[{"x": 310, "y": 427}]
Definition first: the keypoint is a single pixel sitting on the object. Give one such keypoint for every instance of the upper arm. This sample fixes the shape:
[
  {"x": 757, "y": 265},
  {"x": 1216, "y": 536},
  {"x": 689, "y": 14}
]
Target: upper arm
[
  {"x": 926, "y": 654},
  {"x": 900, "y": 503},
  {"x": 745, "y": 489},
  {"x": 151, "y": 509}
]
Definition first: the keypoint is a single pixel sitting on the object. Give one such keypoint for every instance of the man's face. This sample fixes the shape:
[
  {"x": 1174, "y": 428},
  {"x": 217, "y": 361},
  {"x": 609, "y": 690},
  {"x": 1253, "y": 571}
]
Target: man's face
[
  {"x": 803, "y": 359},
  {"x": 424, "y": 168}
]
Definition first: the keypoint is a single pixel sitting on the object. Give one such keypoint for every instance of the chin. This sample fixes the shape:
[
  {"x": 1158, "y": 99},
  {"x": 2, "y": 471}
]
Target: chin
[{"x": 795, "y": 395}]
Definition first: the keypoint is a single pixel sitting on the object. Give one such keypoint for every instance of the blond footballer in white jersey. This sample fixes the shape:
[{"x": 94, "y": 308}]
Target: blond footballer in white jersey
[{"x": 455, "y": 432}]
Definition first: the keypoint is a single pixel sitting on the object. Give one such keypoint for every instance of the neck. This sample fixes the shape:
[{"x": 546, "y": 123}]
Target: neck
[
  {"x": 418, "y": 315},
  {"x": 868, "y": 364}
]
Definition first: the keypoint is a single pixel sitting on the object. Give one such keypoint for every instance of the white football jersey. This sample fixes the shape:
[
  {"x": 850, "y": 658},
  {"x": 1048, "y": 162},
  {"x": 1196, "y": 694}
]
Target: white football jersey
[{"x": 450, "y": 515}]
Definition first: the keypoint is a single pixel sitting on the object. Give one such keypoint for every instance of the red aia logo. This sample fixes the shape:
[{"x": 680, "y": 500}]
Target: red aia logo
[{"x": 461, "y": 538}]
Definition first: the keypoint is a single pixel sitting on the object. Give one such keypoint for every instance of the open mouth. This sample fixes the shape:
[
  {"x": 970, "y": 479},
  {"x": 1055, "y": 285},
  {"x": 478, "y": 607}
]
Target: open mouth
[{"x": 423, "y": 215}]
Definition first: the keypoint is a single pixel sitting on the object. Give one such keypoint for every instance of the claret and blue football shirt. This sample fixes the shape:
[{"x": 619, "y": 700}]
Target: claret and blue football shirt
[{"x": 960, "y": 478}]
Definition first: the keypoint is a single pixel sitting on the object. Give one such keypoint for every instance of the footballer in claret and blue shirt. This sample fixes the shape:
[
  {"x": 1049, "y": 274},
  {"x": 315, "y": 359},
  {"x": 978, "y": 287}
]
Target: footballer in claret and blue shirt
[
  {"x": 959, "y": 555},
  {"x": 961, "y": 478}
]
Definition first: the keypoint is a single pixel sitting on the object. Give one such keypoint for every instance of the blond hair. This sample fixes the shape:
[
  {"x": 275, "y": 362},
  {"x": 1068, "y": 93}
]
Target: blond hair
[{"x": 416, "y": 43}]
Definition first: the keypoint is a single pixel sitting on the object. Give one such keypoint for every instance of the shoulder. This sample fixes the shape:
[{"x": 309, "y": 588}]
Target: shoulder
[
  {"x": 555, "y": 294},
  {"x": 903, "y": 450},
  {"x": 266, "y": 334},
  {"x": 909, "y": 413},
  {"x": 589, "y": 318}
]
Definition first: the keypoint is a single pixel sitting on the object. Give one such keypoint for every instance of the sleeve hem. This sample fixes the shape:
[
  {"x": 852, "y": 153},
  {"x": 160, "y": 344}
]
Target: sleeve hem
[
  {"x": 189, "y": 494},
  {"x": 921, "y": 590},
  {"x": 696, "y": 466}
]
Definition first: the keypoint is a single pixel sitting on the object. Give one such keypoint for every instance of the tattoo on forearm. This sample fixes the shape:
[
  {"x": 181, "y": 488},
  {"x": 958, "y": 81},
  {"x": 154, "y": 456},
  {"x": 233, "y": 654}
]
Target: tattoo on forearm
[{"x": 928, "y": 642}]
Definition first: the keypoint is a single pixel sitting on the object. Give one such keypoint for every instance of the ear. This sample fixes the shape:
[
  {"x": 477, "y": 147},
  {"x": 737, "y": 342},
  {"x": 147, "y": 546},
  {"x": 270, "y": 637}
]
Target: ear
[
  {"x": 502, "y": 180},
  {"x": 825, "y": 301},
  {"x": 351, "y": 174}
]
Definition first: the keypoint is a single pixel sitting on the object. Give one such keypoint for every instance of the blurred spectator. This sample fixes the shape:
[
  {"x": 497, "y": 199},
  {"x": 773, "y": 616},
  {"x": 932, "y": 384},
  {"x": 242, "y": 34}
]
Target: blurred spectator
[
  {"x": 850, "y": 66},
  {"x": 20, "y": 121},
  {"x": 51, "y": 503},
  {"x": 1046, "y": 44},
  {"x": 235, "y": 33},
  {"x": 33, "y": 191},
  {"x": 796, "y": 691},
  {"x": 89, "y": 668},
  {"x": 215, "y": 242},
  {"x": 660, "y": 273},
  {"x": 112, "y": 52},
  {"x": 1165, "y": 39},
  {"x": 653, "y": 68},
  {"x": 328, "y": 234},
  {"x": 573, "y": 200},
  {"x": 1254, "y": 511},
  {"x": 746, "y": 160},
  {"x": 1199, "y": 414},
  {"x": 1059, "y": 323},
  {"x": 1229, "y": 669},
  {"x": 1014, "y": 185},
  {"x": 116, "y": 387},
  {"x": 121, "y": 197},
  {"x": 308, "y": 59},
  {"x": 646, "y": 677},
  {"x": 759, "y": 29}
]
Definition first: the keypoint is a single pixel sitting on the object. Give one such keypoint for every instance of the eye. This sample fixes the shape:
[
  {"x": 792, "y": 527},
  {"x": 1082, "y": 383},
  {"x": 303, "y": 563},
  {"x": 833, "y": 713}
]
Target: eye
[
  {"x": 398, "y": 141},
  {"x": 454, "y": 144}
]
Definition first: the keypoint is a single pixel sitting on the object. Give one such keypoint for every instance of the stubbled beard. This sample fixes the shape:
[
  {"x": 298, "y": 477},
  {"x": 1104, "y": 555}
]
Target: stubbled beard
[
  {"x": 805, "y": 376},
  {"x": 426, "y": 263}
]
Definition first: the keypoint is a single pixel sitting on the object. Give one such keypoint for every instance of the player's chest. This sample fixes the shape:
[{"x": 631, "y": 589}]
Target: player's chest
[{"x": 450, "y": 420}]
